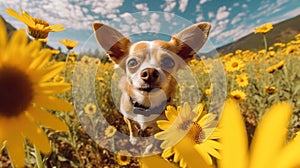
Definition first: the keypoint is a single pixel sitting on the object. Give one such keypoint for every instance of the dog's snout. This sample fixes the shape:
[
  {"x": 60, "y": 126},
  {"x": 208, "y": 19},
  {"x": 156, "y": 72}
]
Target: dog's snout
[{"x": 149, "y": 75}]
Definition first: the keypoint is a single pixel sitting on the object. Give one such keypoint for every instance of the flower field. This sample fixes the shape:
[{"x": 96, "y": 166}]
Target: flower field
[{"x": 247, "y": 111}]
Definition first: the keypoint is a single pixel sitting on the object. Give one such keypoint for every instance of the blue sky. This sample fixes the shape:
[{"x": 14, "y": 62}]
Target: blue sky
[{"x": 230, "y": 20}]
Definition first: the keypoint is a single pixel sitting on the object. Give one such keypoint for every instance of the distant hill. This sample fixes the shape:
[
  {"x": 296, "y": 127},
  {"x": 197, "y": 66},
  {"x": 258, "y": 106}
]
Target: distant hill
[
  {"x": 281, "y": 32},
  {"x": 9, "y": 28}
]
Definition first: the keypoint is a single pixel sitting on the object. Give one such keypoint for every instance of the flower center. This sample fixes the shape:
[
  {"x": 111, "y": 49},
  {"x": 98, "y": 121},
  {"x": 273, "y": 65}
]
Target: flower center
[
  {"x": 235, "y": 64},
  {"x": 237, "y": 97},
  {"x": 196, "y": 133},
  {"x": 40, "y": 22},
  {"x": 16, "y": 91},
  {"x": 40, "y": 30},
  {"x": 185, "y": 125},
  {"x": 124, "y": 158}
]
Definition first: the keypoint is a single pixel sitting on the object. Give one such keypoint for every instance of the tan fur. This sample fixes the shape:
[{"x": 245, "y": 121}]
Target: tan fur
[{"x": 149, "y": 55}]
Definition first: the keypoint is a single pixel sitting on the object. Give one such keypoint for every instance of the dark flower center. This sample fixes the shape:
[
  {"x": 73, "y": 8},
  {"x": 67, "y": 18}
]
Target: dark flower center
[{"x": 16, "y": 91}]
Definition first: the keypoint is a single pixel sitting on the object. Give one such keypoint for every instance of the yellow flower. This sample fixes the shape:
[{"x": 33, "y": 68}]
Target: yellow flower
[
  {"x": 242, "y": 79},
  {"x": 272, "y": 128},
  {"x": 85, "y": 59},
  {"x": 69, "y": 44},
  {"x": 55, "y": 52},
  {"x": 234, "y": 64},
  {"x": 37, "y": 28},
  {"x": 263, "y": 29},
  {"x": 270, "y": 89},
  {"x": 290, "y": 49},
  {"x": 123, "y": 157},
  {"x": 190, "y": 128},
  {"x": 26, "y": 93},
  {"x": 275, "y": 67},
  {"x": 208, "y": 91},
  {"x": 110, "y": 131},
  {"x": 238, "y": 95},
  {"x": 279, "y": 45},
  {"x": 90, "y": 108}
]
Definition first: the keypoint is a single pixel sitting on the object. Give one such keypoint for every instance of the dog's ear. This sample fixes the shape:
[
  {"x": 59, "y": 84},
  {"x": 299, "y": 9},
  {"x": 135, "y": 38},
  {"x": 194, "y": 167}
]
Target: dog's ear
[
  {"x": 112, "y": 41},
  {"x": 189, "y": 41}
]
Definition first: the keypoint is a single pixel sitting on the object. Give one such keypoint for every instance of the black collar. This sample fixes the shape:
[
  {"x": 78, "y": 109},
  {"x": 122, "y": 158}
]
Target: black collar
[{"x": 146, "y": 111}]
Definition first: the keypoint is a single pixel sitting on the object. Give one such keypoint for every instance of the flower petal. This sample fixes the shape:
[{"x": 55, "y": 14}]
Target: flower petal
[
  {"x": 51, "y": 71},
  {"x": 47, "y": 119},
  {"x": 35, "y": 135},
  {"x": 171, "y": 113},
  {"x": 15, "y": 148},
  {"x": 272, "y": 128},
  {"x": 190, "y": 154},
  {"x": 54, "y": 87},
  {"x": 53, "y": 103},
  {"x": 41, "y": 59},
  {"x": 289, "y": 156},
  {"x": 3, "y": 35},
  {"x": 155, "y": 161},
  {"x": 163, "y": 124},
  {"x": 233, "y": 138},
  {"x": 23, "y": 18}
]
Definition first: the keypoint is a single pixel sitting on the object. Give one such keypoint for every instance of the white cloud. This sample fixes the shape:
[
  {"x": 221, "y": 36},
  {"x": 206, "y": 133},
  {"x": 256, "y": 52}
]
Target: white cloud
[
  {"x": 222, "y": 13},
  {"x": 155, "y": 25},
  {"x": 128, "y": 18},
  {"x": 168, "y": 16},
  {"x": 237, "y": 18},
  {"x": 244, "y": 6},
  {"x": 236, "y": 4},
  {"x": 202, "y": 1},
  {"x": 183, "y": 5},
  {"x": 199, "y": 18},
  {"x": 211, "y": 15},
  {"x": 142, "y": 7},
  {"x": 169, "y": 5}
]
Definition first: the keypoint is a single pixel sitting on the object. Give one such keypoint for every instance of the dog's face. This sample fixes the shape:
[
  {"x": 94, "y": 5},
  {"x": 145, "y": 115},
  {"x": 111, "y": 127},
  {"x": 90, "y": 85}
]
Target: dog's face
[{"x": 150, "y": 65}]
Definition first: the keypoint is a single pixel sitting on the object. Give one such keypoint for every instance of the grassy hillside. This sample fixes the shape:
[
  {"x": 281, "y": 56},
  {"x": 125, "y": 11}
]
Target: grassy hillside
[{"x": 282, "y": 32}]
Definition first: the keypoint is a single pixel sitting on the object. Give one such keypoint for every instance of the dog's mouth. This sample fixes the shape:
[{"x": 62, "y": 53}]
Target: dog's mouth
[{"x": 148, "y": 89}]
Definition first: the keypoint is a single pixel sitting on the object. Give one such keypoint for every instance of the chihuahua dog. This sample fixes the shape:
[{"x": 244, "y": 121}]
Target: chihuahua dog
[{"x": 150, "y": 66}]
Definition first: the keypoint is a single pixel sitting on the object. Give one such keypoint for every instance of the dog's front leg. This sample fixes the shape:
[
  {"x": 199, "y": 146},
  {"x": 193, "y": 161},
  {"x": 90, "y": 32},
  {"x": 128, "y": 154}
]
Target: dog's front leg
[{"x": 133, "y": 133}]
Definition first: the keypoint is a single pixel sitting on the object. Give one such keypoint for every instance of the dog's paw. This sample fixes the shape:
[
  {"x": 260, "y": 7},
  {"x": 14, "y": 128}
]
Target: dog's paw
[{"x": 133, "y": 140}]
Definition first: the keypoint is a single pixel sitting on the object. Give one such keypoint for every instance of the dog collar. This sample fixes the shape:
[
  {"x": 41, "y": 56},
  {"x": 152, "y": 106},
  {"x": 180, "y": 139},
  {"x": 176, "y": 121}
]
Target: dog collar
[{"x": 146, "y": 111}]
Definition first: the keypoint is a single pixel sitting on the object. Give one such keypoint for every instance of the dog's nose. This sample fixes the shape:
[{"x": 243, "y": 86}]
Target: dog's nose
[{"x": 149, "y": 75}]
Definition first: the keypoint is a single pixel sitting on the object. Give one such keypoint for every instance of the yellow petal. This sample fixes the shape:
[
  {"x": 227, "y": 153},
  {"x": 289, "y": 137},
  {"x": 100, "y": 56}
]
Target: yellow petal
[
  {"x": 15, "y": 148},
  {"x": 25, "y": 19},
  {"x": 163, "y": 124},
  {"x": 57, "y": 27},
  {"x": 270, "y": 135},
  {"x": 167, "y": 152},
  {"x": 233, "y": 137},
  {"x": 155, "y": 161},
  {"x": 53, "y": 103},
  {"x": 289, "y": 156},
  {"x": 18, "y": 40},
  {"x": 54, "y": 88},
  {"x": 35, "y": 135},
  {"x": 171, "y": 113},
  {"x": 3, "y": 35},
  {"x": 190, "y": 154},
  {"x": 41, "y": 59},
  {"x": 47, "y": 119},
  {"x": 51, "y": 71}
]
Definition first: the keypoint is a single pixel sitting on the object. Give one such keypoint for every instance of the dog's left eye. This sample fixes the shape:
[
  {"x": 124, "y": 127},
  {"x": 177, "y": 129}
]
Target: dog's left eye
[
  {"x": 132, "y": 63},
  {"x": 167, "y": 63}
]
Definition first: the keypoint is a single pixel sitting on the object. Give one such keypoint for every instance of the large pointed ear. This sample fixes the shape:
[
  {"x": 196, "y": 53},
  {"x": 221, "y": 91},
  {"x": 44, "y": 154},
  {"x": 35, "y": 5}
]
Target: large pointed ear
[
  {"x": 112, "y": 41},
  {"x": 189, "y": 41}
]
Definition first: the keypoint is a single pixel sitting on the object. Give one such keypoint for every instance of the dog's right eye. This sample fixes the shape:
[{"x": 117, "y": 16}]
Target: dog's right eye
[{"x": 132, "y": 63}]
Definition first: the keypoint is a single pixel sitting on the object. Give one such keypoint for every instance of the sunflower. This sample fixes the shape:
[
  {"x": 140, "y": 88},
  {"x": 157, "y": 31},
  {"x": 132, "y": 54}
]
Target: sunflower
[
  {"x": 36, "y": 27},
  {"x": 263, "y": 29},
  {"x": 270, "y": 89},
  {"x": 238, "y": 95},
  {"x": 242, "y": 79},
  {"x": 234, "y": 64},
  {"x": 69, "y": 44},
  {"x": 123, "y": 157},
  {"x": 185, "y": 125},
  {"x": 26, "y": 93},
  {"x": 275, "y": 67},
  {"x": 90, "y": 108},
  {"x": 110, "y": 131}
]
